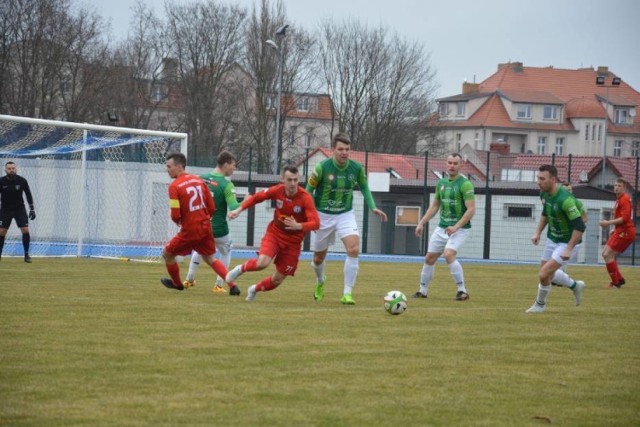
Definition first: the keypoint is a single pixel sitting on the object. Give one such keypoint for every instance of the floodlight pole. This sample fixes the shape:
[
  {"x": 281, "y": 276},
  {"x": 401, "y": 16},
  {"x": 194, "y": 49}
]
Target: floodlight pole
[
  {"x": 601, "y": 81},
  {"x": 281, "y": 33}
]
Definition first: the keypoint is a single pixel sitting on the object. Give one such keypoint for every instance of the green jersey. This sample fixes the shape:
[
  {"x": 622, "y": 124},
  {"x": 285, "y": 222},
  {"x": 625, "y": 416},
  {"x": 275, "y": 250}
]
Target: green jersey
[
  {"x": 560, "y": 209},
  {"x": 452, "y": 196},
  {"x": 332, "y": 186},
  {"x": 224, "y": 197}
]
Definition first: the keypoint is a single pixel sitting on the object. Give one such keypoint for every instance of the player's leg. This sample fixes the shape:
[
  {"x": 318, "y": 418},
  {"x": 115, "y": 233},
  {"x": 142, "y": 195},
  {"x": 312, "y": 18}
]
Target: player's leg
[
  {"x": 223, "y": 248},
  {"x": 615, "y": 246},
  {"x": 22, "y": 221},
  {"x": 324, "y": 237},
  {"x": 193, "y": 268},
  {"x": 540, "y": 302},
  {"x": 436, "y": 246},
  {"x": 560, "y": 276},
  {"x": 176, "y": 246},
  {"x": 268, "y": 250},
  {"x": 286, "y": 264},
  {"x": 347, "y": 230},
  {"x": 454, "y": 243}
]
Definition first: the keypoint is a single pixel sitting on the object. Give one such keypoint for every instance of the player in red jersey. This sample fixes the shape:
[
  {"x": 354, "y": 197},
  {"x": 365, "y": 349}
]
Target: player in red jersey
[
  {"x": 621, "y": 236},
  {"x": 295, "y": 215},
  {"x": 191, "y": 206}
]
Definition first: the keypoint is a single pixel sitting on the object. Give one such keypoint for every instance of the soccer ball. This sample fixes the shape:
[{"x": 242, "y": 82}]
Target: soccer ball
[{"x": 395, "y": 302}]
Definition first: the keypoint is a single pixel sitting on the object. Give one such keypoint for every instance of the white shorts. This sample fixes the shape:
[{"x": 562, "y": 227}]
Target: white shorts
[
  {"x": 440, "y": 240},
  {"x": 553, "y": 251},
  {"x": 344, "y": 224}
]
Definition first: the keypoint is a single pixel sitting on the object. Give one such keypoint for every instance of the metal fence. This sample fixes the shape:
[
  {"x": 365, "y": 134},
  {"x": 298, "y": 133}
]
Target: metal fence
[{"x": 507, "y": 205}]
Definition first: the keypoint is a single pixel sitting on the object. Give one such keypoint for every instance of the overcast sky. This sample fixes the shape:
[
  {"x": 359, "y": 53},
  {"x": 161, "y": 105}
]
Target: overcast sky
[{"x": 468, "y": 38}]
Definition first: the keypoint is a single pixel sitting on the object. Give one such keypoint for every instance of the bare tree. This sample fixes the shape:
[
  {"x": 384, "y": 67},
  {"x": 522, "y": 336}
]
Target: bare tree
[
  {"x": 206, "y": 40},
  {"x": 45, "y": 57},
  {"x": 382, "y": 85}
]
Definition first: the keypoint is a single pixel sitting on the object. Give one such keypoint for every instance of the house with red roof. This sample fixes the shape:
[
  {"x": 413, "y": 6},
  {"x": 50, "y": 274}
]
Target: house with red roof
[{"x": 544, "y": 111}]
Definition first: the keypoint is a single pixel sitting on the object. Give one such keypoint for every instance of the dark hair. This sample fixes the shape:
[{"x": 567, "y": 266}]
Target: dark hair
[
  {"x": 622, "y": 181},
  {"x": 342, "y": 137},
  {"x": 178, "y": 159},
  {"x": 455, "y": 155},
  {"x": 549, "y": 168},
  {"x": 9, "y": 163},
  {"x": 290, "y": 168},
  {"x": 225, "y": 157}
]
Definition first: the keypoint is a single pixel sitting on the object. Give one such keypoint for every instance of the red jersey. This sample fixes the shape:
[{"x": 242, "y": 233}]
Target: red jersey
[
  {"x": 300, "y": 207},
  {"x": 623, "y": 210},
  {"x": 191, "y": 205}
]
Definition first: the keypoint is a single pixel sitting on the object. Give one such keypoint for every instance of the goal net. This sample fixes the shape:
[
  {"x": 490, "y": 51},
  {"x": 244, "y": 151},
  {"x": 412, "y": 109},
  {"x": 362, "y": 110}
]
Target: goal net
[{"x": 99, "y": 191}]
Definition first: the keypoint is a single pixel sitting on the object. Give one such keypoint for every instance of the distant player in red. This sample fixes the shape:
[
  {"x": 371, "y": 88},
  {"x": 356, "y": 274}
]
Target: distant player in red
[
  {"x": 621, "y": 236},
  {"x": 191, "y": 206},
  {"x": 295, "y": 215}
]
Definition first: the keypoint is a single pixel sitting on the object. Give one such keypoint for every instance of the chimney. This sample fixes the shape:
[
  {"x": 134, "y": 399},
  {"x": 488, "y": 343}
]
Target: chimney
[
  {"x": 169, "y": 68},
  {"x": 517, "y": 67},
  {"x": 500, "y": 148},
  {"x": 602, "y": 70},
  {"x": 470, "y": 87}
]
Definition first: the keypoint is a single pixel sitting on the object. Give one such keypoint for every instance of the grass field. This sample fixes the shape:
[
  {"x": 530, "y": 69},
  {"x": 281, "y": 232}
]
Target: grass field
[{"x": 102, "y": 343}]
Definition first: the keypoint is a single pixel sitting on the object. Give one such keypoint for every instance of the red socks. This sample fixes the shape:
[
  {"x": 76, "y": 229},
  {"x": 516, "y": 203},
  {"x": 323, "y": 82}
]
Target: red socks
[
  {"x": 614, "y": 273},
  {"x": 265, "y": 285},
  {"x": 174, "y": 272}
]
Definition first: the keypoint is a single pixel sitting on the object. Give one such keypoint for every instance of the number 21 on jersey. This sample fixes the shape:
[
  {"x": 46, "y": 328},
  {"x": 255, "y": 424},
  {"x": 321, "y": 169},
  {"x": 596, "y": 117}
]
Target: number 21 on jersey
[{"x": 196, "y": 201}]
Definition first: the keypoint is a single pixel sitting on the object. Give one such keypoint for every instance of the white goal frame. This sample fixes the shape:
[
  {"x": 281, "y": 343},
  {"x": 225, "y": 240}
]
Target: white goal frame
[{"x": 91, "y": 196}]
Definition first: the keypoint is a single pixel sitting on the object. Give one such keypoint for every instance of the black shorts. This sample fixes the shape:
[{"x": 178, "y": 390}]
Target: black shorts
[{"x": 20, "y": 215}]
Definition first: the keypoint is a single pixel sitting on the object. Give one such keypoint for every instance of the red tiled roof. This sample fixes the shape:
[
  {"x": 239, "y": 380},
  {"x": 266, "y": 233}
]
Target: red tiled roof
[
  {"x": 584, "y": 108},
  {"x": 546, "y": 84},
  {"x": 589, "y": 164}
]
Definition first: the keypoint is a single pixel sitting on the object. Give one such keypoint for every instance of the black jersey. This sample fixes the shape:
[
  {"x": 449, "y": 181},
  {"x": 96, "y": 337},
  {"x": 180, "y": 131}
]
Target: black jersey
[{"x": 11, "y": 193}]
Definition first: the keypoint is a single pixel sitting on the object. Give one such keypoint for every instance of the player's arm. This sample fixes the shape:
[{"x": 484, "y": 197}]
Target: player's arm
[
  {"x": 542, "y": 223},
  {"x": 430, "y": 213},
  {"x": 368, "y": 197},
  {"x": 577, "y": 226},
  {"x": 313, "y": 220},
  {"x": 230, "y": 196},
  {"x": 469, "y": 198},
  {"x": 251, "y": 201},
  {"x": 314, "y": 179},
  {"x": 174, "y": 205}
]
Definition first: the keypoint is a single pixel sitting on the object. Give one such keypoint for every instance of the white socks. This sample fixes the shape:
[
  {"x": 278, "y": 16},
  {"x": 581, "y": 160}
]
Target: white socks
[
  {"x": 350, "y": 273},
  {"x": 458, "y": 276},
  {"x": 193, "y": 265},
  {"x": 562, "y": 278},
  {"x": 543, "y": 293},
  {"x": 425, "y": 277},
  {"x": 318, "y": 270}
]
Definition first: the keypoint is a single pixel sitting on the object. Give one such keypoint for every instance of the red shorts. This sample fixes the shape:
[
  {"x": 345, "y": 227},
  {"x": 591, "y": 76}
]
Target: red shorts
[
  {"x": 619, "y": 242},
  {"x": 285, "y": 254},
  {"x": 180, "y": 245}
]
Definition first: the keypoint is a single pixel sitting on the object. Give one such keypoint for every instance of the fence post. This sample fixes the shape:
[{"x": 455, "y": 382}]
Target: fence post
[
  {"x": 486, "y": 252},
  {"x": 251, "y": 215},
  {"x": 365, "y": 214},
  {"x": 569, "y": 167},
  {"x": 425, "y": 204},
  {"x": 635, "y": 214},
  {"x": 306, "y": 243}
]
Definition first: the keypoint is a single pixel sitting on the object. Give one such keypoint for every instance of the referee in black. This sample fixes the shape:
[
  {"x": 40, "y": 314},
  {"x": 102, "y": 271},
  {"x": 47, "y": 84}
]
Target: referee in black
[{"x": 12, "y": 206}]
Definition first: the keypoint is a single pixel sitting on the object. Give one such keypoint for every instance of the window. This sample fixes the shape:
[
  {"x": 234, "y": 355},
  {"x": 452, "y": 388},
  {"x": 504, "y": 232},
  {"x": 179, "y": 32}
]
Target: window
[
  {"x": 542, "y": 142},
  {"x": 550, "y": 112},
  {"x": 461, "y": 107},
  {"x": 635, "y": 148},
  {"x": 559, "y": 146},
  {"x": 458, "y": 141},
  {"x": 308, "y": 137},
  {"x": 269, "y": 103},
  {"x": 302, "y": 104},
  {"x": 621, "y": 115},
  {"x": 158, "y": 93},
  {"x": 443, "y": 109},
  {"x": 523, "y": 111},
  {"x": 593, "y": 131},
  {"x": 617, "y": 147},
  {"x": 604, "y": 231},
  {"x": 586, "y": 132},
  {"x": 517, "y": 211},
  {"x": 600, "y": 132}
]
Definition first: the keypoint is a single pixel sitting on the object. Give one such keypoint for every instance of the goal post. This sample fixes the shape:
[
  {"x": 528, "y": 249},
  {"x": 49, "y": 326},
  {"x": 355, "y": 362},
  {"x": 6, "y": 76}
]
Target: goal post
[{"x": 99, "y": 191}]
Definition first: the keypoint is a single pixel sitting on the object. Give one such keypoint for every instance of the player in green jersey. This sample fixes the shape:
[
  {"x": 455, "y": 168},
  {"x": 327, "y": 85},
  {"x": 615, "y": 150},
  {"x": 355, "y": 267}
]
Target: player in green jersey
[
  {"x": 583, "y": 213},
  {"x": 331, "y": 184},
  {"x": 455, "y": 199},
  {"x": 224, "y": 197},
  {"x": 565, "y": 229}
]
